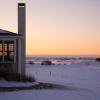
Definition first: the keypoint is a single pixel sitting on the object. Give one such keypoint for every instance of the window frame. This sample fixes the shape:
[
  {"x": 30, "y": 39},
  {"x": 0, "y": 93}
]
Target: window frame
[{"x": 3, "y": 51}]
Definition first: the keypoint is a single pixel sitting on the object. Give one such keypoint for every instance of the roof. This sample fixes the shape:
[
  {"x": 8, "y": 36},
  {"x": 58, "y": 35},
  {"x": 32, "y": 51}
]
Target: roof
[{"x": 4, "y": 32}]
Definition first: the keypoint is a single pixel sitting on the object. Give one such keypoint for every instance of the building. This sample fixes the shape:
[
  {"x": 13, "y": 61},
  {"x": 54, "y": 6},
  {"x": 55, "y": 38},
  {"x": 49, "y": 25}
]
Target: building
[{"x": 12, "y": 46}]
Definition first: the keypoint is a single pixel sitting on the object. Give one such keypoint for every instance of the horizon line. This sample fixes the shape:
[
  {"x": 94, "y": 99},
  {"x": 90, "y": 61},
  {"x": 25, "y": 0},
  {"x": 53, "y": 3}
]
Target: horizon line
[{"x": 84, "y": 55}]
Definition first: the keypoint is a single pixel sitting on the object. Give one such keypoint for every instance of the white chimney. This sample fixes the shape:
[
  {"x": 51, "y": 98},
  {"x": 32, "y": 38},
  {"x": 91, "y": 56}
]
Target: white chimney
[
  {"x": 22, "y": 32},
  {"x": 21, "y": 19}
]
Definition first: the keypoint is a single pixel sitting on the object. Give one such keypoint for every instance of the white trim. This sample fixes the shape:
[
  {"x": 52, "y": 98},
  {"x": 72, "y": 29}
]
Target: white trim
[
  {"x": 19, "y": 57},
  {"x": 7, "y": 36},
  {"x": 3, "y": 51},
  {"x": 14, "y": 51}
]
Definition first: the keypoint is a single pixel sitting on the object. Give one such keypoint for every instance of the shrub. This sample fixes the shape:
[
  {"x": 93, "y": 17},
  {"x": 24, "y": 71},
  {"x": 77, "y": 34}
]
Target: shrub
[
  {"x": 25, "y": 78},
  {"x": 98, "y": 59},
  {"x": 15, "y": 77}
]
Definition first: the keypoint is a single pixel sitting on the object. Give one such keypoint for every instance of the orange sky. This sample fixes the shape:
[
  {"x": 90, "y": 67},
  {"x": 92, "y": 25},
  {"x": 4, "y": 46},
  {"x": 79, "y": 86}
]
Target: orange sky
[{"x": 57, "y": 27}]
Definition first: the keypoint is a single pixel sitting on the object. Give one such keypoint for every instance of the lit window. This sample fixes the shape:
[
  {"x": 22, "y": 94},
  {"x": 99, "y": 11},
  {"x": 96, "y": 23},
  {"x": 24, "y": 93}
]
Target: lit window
[
  {"x": 0, "y": 56},
  {"x": 8, "y": 51},
  {"x": 11, "y": 47},
  {"x": 0, "y": 47}
]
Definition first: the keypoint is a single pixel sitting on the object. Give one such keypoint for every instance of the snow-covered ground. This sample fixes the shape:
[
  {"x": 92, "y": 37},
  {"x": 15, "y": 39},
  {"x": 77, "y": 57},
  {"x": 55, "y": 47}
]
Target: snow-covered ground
[
  {"x": 15, "y": 84},
  {"x": 81, "y": 75}
]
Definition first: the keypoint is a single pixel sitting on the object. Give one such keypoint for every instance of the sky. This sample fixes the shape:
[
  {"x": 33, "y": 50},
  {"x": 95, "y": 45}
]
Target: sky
[{"x": 56, "y": 27}]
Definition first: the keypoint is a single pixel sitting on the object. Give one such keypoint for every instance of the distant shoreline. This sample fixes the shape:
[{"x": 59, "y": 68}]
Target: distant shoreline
[{"x": 62, "y": 55}]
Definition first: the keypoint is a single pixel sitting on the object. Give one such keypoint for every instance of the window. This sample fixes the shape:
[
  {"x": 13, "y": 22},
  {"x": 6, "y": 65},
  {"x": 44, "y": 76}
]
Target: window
[
  {"x": 8, "y": 51},
  {"x": 1, "y": 51}
]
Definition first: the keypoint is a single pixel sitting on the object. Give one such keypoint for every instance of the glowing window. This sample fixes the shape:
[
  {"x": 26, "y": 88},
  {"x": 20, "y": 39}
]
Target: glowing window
[{"x": 8, "y": 51}]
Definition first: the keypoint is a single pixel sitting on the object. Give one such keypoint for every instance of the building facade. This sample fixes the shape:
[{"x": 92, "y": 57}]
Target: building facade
[{"x": 12, "y": 46}]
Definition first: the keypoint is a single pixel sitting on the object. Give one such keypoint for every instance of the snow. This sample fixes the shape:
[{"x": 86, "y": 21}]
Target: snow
[
  {"x": 14, "y": 84},
  {"x": 49, "y": 95},
  {"x": 82, "y": 77}
]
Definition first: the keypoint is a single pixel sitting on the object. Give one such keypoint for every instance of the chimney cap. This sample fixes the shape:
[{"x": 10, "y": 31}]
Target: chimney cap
[{"x": 21, "y": 4}]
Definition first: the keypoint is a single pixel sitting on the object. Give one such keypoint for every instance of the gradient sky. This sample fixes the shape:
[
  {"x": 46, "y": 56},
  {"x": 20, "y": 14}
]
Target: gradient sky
[{"x": 56, "y": 27}]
